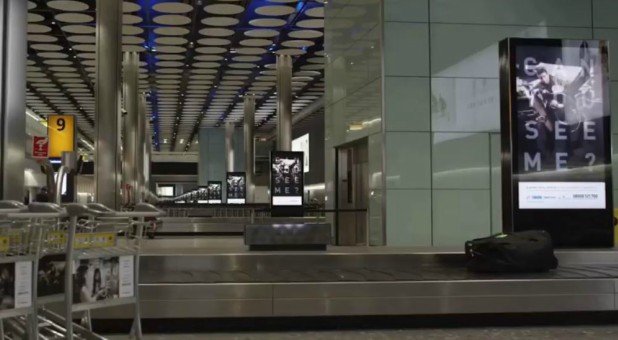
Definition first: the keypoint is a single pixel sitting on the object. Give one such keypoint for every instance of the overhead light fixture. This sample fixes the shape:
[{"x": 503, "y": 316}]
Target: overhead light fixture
[{"x": 33, "y": 116}]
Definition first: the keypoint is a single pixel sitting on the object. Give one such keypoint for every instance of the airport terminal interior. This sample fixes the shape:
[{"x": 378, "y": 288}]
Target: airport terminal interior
[{"x": 308, "y": 169}]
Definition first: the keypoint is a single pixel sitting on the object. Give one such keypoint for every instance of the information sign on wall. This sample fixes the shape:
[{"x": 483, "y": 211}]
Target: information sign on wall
[
  {"x": 236, "y": 188},
  {"x": 556, "y": 149},
  {"x": 40, "y": 147},
  {"x": 61, "y": 133}
]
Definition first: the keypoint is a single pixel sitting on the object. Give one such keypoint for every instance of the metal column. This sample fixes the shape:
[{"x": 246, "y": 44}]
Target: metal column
[
  {"x": 229, "y": 147},
  {"x": 147, "y": 159},
  {"x": 108, "y": 91},
  {"x": 13, "y": 52},
  {"x": 142, "y": 125},
  {"x": 284, "y": 102},
  {"x": 249, "y": 128},
  {"x": 130, "y": 148}
]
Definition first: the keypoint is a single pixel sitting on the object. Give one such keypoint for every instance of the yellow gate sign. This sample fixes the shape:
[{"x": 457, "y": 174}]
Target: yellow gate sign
[{"x": 61, "y": 133}]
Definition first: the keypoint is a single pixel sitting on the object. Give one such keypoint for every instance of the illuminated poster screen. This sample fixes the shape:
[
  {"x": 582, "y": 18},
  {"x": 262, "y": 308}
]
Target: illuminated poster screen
[
  {"x": 301, "y": 144},
  {"x": 555, "y": 128},
  {"x": 236, "y": 188},
  {"x": 286, "y": 181},
  {"x": 214, "y": 192},
  {"x": 202, "y": 195}
]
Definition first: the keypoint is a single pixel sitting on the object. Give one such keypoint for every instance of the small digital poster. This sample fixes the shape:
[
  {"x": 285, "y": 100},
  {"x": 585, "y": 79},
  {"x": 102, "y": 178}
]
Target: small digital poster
[
  {"x": 202, "y": 195},
  {"x": 214, "y": 192},
  {"x": 101, "y": 279},
  {"x": 286, "y": 183},
  {"x": 236, "y": 188},
  {"x": 556, "y": 147}
]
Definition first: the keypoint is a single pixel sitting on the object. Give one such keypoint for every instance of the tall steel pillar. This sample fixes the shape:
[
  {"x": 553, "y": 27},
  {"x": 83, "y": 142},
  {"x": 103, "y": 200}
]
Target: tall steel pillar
[
  {"x": 130, "y": 132},
  {"x": 284, "y": 102},
  {"x": 140, "y": 158},
  {"x": 229, "y": 147},
  {"x": 13, "y": 52},
  {"x": 249, "y": 129},
  {"x": 107, "y": 171}
]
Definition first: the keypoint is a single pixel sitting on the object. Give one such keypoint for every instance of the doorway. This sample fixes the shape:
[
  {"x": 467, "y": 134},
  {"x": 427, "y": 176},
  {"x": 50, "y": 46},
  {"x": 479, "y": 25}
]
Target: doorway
[{"x": 352, "y": 193}]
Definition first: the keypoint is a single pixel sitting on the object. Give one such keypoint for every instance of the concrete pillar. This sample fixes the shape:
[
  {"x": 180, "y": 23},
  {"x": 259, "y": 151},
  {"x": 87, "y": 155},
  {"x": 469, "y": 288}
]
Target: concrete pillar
[
  {"x": 229, "y": 147},
  {"x": 212, "y": 160},
  {"x": 130, "y": 132},
  {"x": 249, "y": 128},
  {"x": 284, "y": 102},
  {"x": 141, "y": 147},
  {"x": 13, "y": 54},
  {"x": 107, "y": 109}
]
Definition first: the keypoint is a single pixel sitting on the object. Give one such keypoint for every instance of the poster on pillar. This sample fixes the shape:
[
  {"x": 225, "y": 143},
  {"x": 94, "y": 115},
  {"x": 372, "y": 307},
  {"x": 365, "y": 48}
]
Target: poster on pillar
[
  {"x": 214, "y": 192},
  {"x": 236, "y": 188},
  {"x": 286, "y": 183},
  {"x": 556, "y": 146}
]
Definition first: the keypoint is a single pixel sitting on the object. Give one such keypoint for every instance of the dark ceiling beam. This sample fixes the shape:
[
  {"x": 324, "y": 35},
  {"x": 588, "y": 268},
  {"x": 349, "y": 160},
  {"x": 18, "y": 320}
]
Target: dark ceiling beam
[
  {"x": 186, "y": 74},
  {"x": 52, "y": 79},
  {"x": 236, "y": 38}
]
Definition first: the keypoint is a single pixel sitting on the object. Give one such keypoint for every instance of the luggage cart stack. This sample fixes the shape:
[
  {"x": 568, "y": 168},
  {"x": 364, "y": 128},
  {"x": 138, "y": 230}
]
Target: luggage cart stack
[
  {"x": 23, "y": 232},
  {"x": 17, "y": 256},
  {"x": 98, "y": 249}
]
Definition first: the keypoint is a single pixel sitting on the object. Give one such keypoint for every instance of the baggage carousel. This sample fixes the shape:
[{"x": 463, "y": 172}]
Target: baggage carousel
[{"x": 220, "y": 278}]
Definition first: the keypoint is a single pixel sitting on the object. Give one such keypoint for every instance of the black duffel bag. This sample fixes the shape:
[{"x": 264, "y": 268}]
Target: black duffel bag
[{"x": 520, "y": 252}]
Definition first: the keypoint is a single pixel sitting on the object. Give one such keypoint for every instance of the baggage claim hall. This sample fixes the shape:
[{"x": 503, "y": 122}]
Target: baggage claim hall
[{"x": 308, "y": 169}]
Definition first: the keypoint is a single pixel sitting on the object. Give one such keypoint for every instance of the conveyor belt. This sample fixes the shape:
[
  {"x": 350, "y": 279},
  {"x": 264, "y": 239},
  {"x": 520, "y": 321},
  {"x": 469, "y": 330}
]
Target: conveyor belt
[
  {"x": 201, "y": 281},
  {"x": 369, "y": 274}
]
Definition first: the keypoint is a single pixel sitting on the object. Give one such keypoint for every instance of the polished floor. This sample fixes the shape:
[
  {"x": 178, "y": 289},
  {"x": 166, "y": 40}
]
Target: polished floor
[{"x": 528, "y": 333}]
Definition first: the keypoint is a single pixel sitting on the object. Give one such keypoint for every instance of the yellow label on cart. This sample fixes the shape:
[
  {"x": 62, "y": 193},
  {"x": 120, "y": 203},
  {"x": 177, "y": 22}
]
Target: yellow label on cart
[
  {"x": 15, "y": 237},
  {"x": 81, "y": 241},
  {"x": 102, "y": 240},
  {"x": 56, "y": 238},
  {"x": 4, "y": 244}
]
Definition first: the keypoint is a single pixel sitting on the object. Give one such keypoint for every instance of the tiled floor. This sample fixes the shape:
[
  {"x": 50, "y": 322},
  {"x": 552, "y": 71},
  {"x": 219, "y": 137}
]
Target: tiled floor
[{"x": 537, "y": 333}]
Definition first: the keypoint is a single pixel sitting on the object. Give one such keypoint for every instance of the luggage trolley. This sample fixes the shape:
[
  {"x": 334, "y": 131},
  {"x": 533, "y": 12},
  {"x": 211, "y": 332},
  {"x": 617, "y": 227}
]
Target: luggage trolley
[
  {"x": 104, "y": 269},
  {"x": 22, "y": 233},
  {"x": 46, "y": 230},
  {"x": 100, "y": 266},
  {"x": 17, "y": 256}
]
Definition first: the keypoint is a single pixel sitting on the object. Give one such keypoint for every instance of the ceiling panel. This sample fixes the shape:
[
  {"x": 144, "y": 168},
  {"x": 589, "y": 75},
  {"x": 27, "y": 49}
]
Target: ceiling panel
[{"x": 199, "y": 58}]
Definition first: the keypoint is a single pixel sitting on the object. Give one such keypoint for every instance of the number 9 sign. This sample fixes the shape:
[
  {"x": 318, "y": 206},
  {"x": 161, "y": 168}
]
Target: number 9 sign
[{"x": 61, "y": 133}]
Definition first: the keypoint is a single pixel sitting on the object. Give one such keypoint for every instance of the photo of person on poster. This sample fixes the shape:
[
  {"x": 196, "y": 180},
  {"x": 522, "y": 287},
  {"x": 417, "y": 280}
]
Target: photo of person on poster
[
  {"x": 51, "y": 275},
  {"x": 214, "y": 192},
  {"x": 235, "y": 186},
  {"x": 287, "y": 179},
  {"x": 96, "y": 280},
  {"x": 560, "y": 107}
]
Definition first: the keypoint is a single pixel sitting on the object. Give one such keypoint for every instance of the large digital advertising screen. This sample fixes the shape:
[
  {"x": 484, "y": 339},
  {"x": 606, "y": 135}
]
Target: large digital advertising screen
[
  {"x": 236, "y": 188},
  {"x": 286, "y": 182},
  {"x": 556, "y": 134}
]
